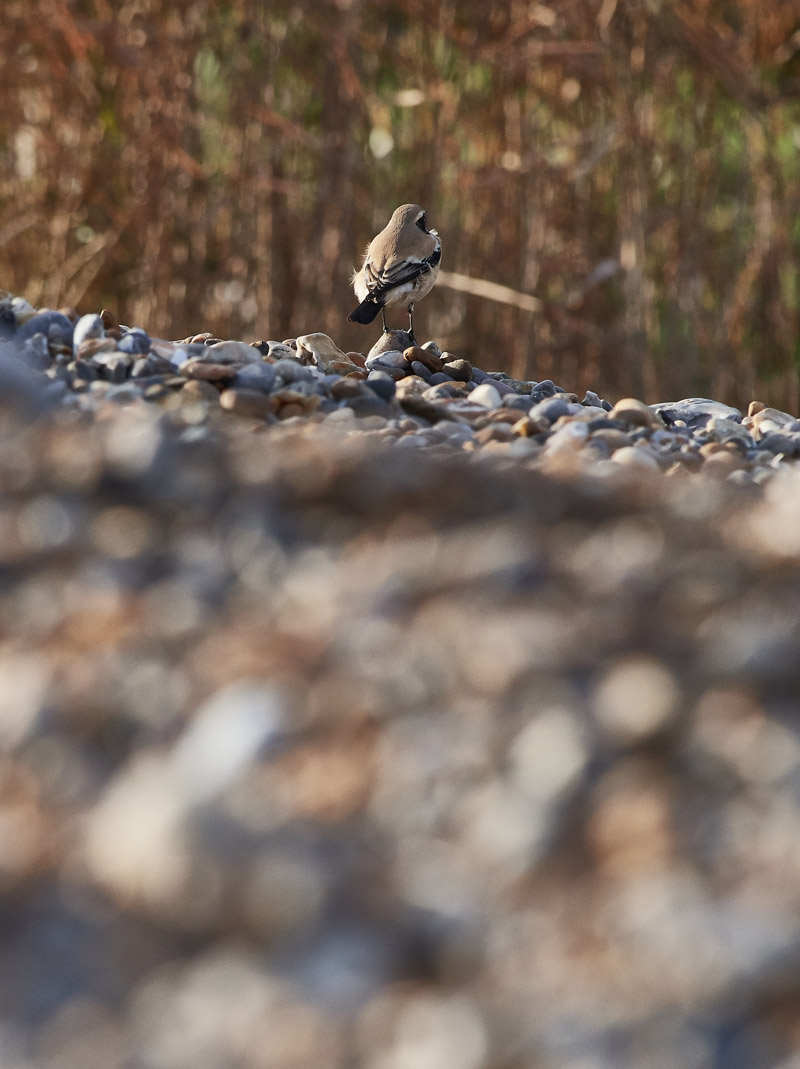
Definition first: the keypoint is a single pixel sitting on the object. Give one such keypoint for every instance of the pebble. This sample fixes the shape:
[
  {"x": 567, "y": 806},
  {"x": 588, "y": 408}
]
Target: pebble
[
  {"x": 635, "y": 413},
  {"x": 257, "y": 376},
  {"x": 460, "y": 370},
  {"x": 486, "y": 395},
  {"x": 135, "y": 341},
  {"x": 232, "y": 352},
  {"x": 310, "y": 376},
  {"x": 387, "y": 358},
  {"x": 88, "y": 326},
  {"x": 694, "y": 412},
  {"x": 209, "y": 372},
  {"x": 431, "y": 740},
  {"x": 382, "y": 384}
]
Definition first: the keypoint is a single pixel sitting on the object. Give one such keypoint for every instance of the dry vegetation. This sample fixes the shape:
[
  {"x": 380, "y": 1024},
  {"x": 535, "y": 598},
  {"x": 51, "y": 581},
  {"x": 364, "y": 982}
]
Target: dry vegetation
[{"x": 634, "y": 165}]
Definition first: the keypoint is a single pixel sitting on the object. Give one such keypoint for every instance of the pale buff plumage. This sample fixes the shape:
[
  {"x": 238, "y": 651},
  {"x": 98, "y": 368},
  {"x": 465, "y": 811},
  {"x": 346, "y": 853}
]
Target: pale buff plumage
[{"x": 400, "y": 266}]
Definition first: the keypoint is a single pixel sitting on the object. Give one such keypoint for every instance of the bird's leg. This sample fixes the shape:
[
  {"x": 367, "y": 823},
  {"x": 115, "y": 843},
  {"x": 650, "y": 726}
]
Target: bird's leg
[
  {"x": 383, "y": 317},
  {"x": 411, "y": 323}
]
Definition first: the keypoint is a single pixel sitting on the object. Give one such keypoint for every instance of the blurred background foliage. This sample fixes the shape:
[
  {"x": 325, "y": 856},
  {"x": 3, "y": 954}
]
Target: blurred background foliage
[{"x": 633, "y": 164}]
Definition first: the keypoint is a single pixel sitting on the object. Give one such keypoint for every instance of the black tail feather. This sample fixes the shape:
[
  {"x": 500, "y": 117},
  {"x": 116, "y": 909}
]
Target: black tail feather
[{"x": 366, "y": 311}]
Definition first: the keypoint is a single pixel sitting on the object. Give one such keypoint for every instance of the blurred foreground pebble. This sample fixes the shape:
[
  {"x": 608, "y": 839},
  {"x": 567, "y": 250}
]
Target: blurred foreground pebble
[{"x": 317, "y": 751}]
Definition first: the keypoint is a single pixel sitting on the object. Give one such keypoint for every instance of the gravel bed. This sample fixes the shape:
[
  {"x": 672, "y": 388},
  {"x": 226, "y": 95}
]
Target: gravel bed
[{"x": 356, "y": 716}]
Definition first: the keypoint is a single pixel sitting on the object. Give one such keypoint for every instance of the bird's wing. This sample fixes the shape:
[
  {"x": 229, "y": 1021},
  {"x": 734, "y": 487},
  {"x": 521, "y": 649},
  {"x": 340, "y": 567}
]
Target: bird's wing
[{"x": 398, "y": 272}]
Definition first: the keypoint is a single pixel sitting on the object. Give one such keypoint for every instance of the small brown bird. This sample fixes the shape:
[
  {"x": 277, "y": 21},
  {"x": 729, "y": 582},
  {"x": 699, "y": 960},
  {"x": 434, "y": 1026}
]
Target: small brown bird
[{"x": 400, "y": 266}]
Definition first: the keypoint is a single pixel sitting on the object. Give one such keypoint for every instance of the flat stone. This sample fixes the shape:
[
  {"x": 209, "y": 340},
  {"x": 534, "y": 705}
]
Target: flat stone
[
  {"x": 694, "y": 412},
  {"x": 321, "y": 350}
]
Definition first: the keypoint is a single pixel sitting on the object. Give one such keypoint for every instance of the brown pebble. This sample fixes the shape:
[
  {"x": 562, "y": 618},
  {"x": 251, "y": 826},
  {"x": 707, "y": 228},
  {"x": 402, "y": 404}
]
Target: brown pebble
[
  {"x": 755, "y": 406},
  {"x": 197, "y": 390},
  {"x": 428, "y": 359},
  {"x": 461, "y": 370},
  {"x": 249, "y": 403},
  {"x": 202, "y": 369},
  {"x": 635, "y": 413},
  {"x": 356, "y": 358},
  {"x": 497, "y": 432},
  {"x": 291, "y": 410},
  {"x": 526, "y": 427},
  {"x": 91, "y": 346}
]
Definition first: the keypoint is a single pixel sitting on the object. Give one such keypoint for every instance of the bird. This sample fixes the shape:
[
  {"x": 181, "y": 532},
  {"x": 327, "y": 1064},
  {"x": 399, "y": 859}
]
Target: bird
[{"x": 400, "y": 266}]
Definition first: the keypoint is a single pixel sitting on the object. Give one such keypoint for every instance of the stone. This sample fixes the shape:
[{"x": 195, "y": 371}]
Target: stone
[
  {"x": 722, "y": 429},
  {"x": 631, "y": 456},
  {"x": 302, "y": 403},
  {"x": 550, "y": 409},
  {"x": 460, "y": 370},
  {"x": 232, "y": 352},
  {"x": 387, "y": 358},
  {"x": 544, "y": 389},
  {"x": 395, "y": 373},
  {"x": 486, "y": 395},
  {"x": 526, "y": 427},
  {"x": 420, "y": 369},
  {"x": 392, "y": 339},
  {"x": 382, "y": 384},
  {"x": 430, "y": 360},
  {"x": 124, "y": 393},
  {"x": 785, "y": 442},
  {"x": 635, "y": 413},
  {"x": 253, "y": 404},
  {"x": 277, "y": 350},
  {"x": 209, "y": 372},
  {"x": 196, "y": 390},
  {"x": 369, "y": 405},
  {"x": 340, "y": 415},
  {"x": 257, "y": 376},
  {"x": 135, "y": 341},
  {"x": 55, "y": 326},
  {"x": 97, "y": 348},
  {"x": 88, "y": 326},
  {"x": 321, "y": 350},
  {"x": 767, "y": 420},
  {"x": 288, "y": 371},
  {"x": 494, "y": 432},
  {"x": 694, "y": 412}
]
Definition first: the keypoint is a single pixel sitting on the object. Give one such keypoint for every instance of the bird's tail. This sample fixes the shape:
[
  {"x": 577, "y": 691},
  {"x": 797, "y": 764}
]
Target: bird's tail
[{"x": 366, "y": 311}]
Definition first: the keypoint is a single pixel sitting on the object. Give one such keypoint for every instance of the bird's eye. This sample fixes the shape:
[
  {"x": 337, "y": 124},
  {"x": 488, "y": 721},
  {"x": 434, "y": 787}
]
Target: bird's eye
[{"x": 422, "y": 224}]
